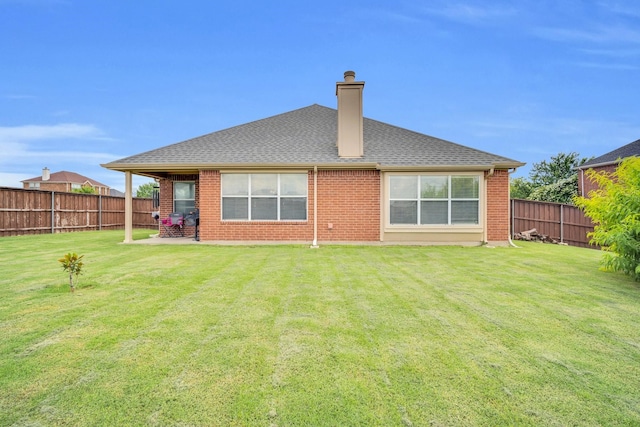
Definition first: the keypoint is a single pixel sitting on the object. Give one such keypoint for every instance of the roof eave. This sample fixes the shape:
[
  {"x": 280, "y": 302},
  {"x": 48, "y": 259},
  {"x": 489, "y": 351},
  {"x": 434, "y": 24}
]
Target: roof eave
[
  {"x": 147, "y": 168},
  {"x": 194, "y": 168},
  {"x": 599, "y": 165},
  {"x": 453, "y": 168}
]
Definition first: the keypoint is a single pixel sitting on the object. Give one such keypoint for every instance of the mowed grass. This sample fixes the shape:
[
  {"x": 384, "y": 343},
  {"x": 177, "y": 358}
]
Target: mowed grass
[{"x": 203, "y": 335}]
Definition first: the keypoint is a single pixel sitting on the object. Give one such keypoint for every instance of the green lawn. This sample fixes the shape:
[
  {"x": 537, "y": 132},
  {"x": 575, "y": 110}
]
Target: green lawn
[{"x": 291, "y": 336}]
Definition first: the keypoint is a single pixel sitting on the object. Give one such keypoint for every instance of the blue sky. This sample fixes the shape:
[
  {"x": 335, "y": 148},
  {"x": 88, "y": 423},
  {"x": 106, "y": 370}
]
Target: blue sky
[{"x": 85, "y": 82}]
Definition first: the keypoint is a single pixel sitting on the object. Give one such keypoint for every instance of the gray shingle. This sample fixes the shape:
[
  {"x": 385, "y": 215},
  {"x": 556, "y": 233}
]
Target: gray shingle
[
  {"x": 629, "y": 150},
  {"x": 308, "y": 136}
]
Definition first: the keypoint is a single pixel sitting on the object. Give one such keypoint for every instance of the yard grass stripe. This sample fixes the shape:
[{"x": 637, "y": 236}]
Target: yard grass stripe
[{"x": 341, "y": 335}]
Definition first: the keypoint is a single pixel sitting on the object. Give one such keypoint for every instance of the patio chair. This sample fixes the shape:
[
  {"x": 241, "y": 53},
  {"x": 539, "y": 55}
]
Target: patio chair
[{"x": 173, "y": 225}]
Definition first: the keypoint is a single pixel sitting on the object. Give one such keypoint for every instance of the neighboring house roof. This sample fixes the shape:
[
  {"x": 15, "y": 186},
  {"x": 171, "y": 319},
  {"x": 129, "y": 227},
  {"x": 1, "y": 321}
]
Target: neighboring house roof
[
  {"x": 116, "y": 193},
  {"x": 65, "y": 176},
  {"x": 613, "y": 157},
  {"x": 306, "y": 137}
]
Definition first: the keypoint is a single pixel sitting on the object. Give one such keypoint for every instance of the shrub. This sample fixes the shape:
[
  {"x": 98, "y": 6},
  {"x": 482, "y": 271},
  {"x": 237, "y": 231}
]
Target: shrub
[
  {"x": 72, "y": 263},
  {"x": 562, "y": 191},
  {"x": 615, "y": 209}
]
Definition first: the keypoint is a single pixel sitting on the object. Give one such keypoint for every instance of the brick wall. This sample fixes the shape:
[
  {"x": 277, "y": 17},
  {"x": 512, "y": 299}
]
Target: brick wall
[
  {"x": 348, "y": 200},
  {"x": 348, "y": 209},
  {"x": 51, "y": 186},
  {"x": 585, "y": 185},
  {"x": 349, "y": 203},
  {"x": 166, "y": 198},
  {"x": 213, "y": 228},
  {"x": 63, "y": 187},
  {"x": 498, "y": 206}
]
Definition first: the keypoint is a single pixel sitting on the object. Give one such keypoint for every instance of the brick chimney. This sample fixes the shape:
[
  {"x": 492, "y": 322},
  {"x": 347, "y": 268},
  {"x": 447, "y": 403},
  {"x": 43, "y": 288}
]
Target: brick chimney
[
  {"x": 350, "y": 140},
  {"x": 46, "y": 174}
]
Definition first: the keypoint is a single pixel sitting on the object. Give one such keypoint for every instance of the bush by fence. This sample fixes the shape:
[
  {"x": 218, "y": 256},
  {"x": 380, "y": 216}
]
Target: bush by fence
[
  {"x": 38, "y": 212},
  {"x": 564, "y": 223}
]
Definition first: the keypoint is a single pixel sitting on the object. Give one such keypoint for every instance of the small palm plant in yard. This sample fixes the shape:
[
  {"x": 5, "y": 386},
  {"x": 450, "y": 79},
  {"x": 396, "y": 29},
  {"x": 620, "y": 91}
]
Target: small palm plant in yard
[{"x": 72, "y": 263}]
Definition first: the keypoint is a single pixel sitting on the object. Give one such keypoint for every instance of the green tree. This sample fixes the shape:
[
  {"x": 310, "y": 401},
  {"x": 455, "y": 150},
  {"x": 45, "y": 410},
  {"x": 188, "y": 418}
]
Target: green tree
[
  {"x": 555, "y": 180},
  {"x": 559, "y": 167},
  {"x": 561, "y": 191},
  {"x": 146, "y": 190},
  {"x": 615, "y": 209},
  {"x": 85, "y": 189},
  {"x": 521, "y": 188}
]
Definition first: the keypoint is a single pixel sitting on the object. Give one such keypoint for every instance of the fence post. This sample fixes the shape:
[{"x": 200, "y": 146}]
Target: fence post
[
  {"x": 99, "y": 211},
  {"x": 513, "y": 218},
  {"x": 53, "y": 215},
  {"x": 562, "y": 223}
]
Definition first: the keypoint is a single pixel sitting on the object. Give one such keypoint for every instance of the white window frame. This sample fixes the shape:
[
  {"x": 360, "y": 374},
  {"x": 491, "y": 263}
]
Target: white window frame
[
  {"x": 278, "y": 197},
  {"x": 448, "y": 226},
  {"x": 189, "y": 199}
]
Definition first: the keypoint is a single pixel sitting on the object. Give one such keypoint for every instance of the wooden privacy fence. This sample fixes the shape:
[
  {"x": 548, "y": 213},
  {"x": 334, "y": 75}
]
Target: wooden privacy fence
[
  {"x": 37, "y": 212},
  {"x": 564, "y": 223}
]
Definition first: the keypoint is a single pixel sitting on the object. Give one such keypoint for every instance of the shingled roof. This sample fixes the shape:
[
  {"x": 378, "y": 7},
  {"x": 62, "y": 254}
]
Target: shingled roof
[
  {"x": 307, "y": 137},
  {"x": 67, "y": 177},
  {"x": 613, "y": 157}
]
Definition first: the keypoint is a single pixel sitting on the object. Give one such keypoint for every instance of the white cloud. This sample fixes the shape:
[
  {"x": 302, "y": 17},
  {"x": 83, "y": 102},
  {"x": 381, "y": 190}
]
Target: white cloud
[
  {"x": 36, "y": 2},
  {"x": 621, "y": 7},
  {"x": 619, "y": 53},
  {"x": 537, "y": 137},
  {"x": 471, "y": 13},
  {"x": 66, "y": 146},
  {"x": 557, "y": 126},
  {"x": 21, "y": 154},
  {"x": 40, "y": 132},
  {"x": 29, "y": 144},
  {"x": 19, "y": 96},
  {"x": 8, "y": 179},
  {"x": 608, "y": 66},
  {"x": 598, "y": 34}
]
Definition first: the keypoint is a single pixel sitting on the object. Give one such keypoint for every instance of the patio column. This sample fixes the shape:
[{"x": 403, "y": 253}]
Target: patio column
[{"x": 128, "y": 208}]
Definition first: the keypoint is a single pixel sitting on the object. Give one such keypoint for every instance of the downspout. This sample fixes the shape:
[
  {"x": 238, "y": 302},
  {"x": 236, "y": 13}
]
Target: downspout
[{"x": 315, "y": 208}]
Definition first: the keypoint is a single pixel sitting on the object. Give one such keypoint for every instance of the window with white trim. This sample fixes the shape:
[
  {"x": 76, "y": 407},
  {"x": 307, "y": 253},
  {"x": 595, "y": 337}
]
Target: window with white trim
[
  {"x": 264, "y": 196},
  {"x": 434, "y": 199},
  {"x": 184, "y": 197}
]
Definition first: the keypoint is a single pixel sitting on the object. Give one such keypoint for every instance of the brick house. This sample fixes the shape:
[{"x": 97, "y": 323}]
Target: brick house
[
  {"x": 606, "y": 163},
  {"x": 323, "y": 175},
  {"x": 64, "y": 181}
]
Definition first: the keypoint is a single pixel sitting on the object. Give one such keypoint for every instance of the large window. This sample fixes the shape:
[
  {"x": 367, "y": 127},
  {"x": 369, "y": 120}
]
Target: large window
[
  {"x": 434, "y": 199},
  {"x": 184, "y": 197},
  {"x": 264, "y": 197}
]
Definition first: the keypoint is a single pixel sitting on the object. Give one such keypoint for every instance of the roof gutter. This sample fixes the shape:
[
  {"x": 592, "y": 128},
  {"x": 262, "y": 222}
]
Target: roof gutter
[
  {"x": 598, "y": 165},
  {"x": 452, "y": 168},
  {"x": 190, "y": 167},
  {"x": 145, "y": 168}
]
